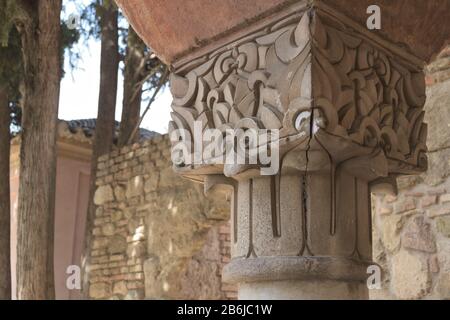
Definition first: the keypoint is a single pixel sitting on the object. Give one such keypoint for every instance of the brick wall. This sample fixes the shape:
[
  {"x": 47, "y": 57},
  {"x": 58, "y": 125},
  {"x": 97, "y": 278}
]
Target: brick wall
[
  {"x": 230, "y": 291},
  {"x": 155, "y": 235}
]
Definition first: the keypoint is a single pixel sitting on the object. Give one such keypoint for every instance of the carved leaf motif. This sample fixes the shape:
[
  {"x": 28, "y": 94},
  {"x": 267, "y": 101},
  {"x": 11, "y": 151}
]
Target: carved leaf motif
[
  {"x": 271, "y": 117},
  {"x": 302, "y": 34},
  {"x": 292, "y": 42},
  {"x": 348, "y": 113},
  {"x": 379, "y": 100},
  {"x": 358, "y": 91}
]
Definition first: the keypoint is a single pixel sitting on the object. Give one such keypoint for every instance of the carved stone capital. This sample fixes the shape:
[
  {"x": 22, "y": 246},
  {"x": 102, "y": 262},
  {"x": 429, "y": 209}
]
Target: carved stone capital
[
  {"x": 348, "y": 107},
  {"x": 327, "y": 88}
]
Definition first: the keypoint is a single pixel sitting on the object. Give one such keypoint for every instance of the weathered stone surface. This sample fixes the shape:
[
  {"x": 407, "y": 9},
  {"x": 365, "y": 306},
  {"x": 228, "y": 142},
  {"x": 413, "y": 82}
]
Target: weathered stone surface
[
  {"x": 116, "y": 215},
  {"x": 170, "y": 222},
  {"x": 404, "y": 205},
  {"x": 443, "y": 226},
  {"x": 417, "y": 235},
  {"x": 100, "y": 290},
  {"x": 438, "y": 167},
  {"x": 151, "y": 268},
  {"x": 405, "y": 182},
  {"x": 117, "y": 244},
  {"x": 135, "y": 187},
  {"x": 410, "y": 279},
  {"x": 168, "y": 178},
  {"x": 428, "y": 201},
  {"x": 135, "y": 295},
  {"x": 136, "y": 250},
  {"x": 443, "y": 252},
  {"x": 443, "y": 287},
  {"x": 391, "y": 226},
  {"x": 103, "y": 194},
  {"x": 445, "y": 198},
  {"x": 385, "y": 210},
  {"x": 151, "y": 183},
  {"x": 99, "y": 243},
  {"x": 129, "y": 212},
  {"x": 378, "y": 249},
  {"x": 119, "y": 192},
  {"x": 134, "y": 224},
  {"x": 211, "y": 249},
  {"x": 108, "y": 229},
  {"x": 120, "y": 288},
  {"x": 381, "y": 294},
  {"x": 441, "y": 210},
  {"x": 438, "y": 113},
  {"x": 206, "y": 285},
  {"x": 433, "y": 264}
]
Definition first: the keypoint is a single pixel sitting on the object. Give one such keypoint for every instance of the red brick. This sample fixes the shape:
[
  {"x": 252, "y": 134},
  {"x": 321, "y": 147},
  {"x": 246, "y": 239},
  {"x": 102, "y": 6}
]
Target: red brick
[
  {"x": 404, "y": 205},
  {"x": 428, "y": 201}
]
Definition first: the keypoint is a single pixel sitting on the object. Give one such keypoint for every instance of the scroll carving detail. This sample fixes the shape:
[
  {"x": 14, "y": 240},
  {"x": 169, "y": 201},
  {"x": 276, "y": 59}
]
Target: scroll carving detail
[{"x": 362, "y": 100}]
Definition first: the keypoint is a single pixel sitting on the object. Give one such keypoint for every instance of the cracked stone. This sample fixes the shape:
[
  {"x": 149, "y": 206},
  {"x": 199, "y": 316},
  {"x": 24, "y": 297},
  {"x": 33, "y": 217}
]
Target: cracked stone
[
  {"x": 443, "y": 226},
  {"x": 103, "y": 195},
  {"x": 391, "y": 226},
  {"x": 410, "y": 279},
  {"x": 418, "y": 235}
]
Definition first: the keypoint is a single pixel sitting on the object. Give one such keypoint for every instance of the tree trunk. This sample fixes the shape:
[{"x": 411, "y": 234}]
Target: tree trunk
[
  {"x": 5, "y": 213},
  {"x": 132, "y": 89},
  {"x": 35, "y": 227},
  {"x": 105, "y": 126},
  {"x": 109, "y": 65}
]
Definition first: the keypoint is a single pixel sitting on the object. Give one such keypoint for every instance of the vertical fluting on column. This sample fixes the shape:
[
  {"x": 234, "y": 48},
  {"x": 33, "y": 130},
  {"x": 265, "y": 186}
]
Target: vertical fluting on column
[{"x": 289, "y": 230}]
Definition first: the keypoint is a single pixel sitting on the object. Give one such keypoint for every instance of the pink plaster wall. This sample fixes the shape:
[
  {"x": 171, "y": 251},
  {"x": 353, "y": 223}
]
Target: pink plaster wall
[{"x": 72, "y": 191}]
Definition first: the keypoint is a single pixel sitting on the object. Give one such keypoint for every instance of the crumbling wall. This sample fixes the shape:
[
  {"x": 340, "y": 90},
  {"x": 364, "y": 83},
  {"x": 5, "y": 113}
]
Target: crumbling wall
[
  {"x": 155, "y": 235},
  {"x": 411, "y": 233}
]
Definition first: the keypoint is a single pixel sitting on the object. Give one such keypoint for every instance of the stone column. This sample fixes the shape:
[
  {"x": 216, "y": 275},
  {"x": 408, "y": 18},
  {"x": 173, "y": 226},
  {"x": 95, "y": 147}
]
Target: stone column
[{"x": 348, "y": 109}]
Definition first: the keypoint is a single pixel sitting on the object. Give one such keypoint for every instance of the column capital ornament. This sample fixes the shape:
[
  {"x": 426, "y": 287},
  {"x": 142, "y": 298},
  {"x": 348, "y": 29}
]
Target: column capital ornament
[{"x": 324, "y": 85}]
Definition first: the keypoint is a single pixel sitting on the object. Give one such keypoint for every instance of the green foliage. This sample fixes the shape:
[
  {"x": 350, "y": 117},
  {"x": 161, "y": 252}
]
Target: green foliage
[
  {"x": 8, "y": 9},
  {"x": 11, "y": 69},
  {"x": 11, "y": 64},
  {"x": 69, "y": 38},
  {"x": 11, "y": 73}
]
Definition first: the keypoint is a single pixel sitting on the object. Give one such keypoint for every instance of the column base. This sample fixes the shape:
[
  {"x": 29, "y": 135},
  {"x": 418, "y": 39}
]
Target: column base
[
  {"x": 298, "y": 278},
  {"x": 303, "y": 290}
]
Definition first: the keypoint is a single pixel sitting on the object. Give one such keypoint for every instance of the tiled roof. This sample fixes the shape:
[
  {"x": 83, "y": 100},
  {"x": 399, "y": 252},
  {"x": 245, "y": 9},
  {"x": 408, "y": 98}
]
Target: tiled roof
[
  {"x": 82, "y": 131},
  {"x": 87, "y": 126}
]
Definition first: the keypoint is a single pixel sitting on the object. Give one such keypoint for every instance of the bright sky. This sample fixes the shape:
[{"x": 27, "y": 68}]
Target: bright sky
[{"x": 79, "y": 91}]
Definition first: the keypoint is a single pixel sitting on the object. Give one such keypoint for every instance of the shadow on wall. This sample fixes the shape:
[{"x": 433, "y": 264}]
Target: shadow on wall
[
  {"x": 411, "y": 234},
  {"x": 156, "y": 235}
]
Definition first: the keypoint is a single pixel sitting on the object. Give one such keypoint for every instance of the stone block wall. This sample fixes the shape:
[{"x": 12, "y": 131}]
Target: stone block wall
[
  {"x": 155, "y": 234},
  {"x": 411, "y": 233}
]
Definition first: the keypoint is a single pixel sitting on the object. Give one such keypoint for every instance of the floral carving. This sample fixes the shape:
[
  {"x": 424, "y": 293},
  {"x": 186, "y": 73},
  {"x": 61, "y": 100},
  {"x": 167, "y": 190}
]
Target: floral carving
[
  {"x": 359, "y": 96},
  {"x": 369, "y": 96}
]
